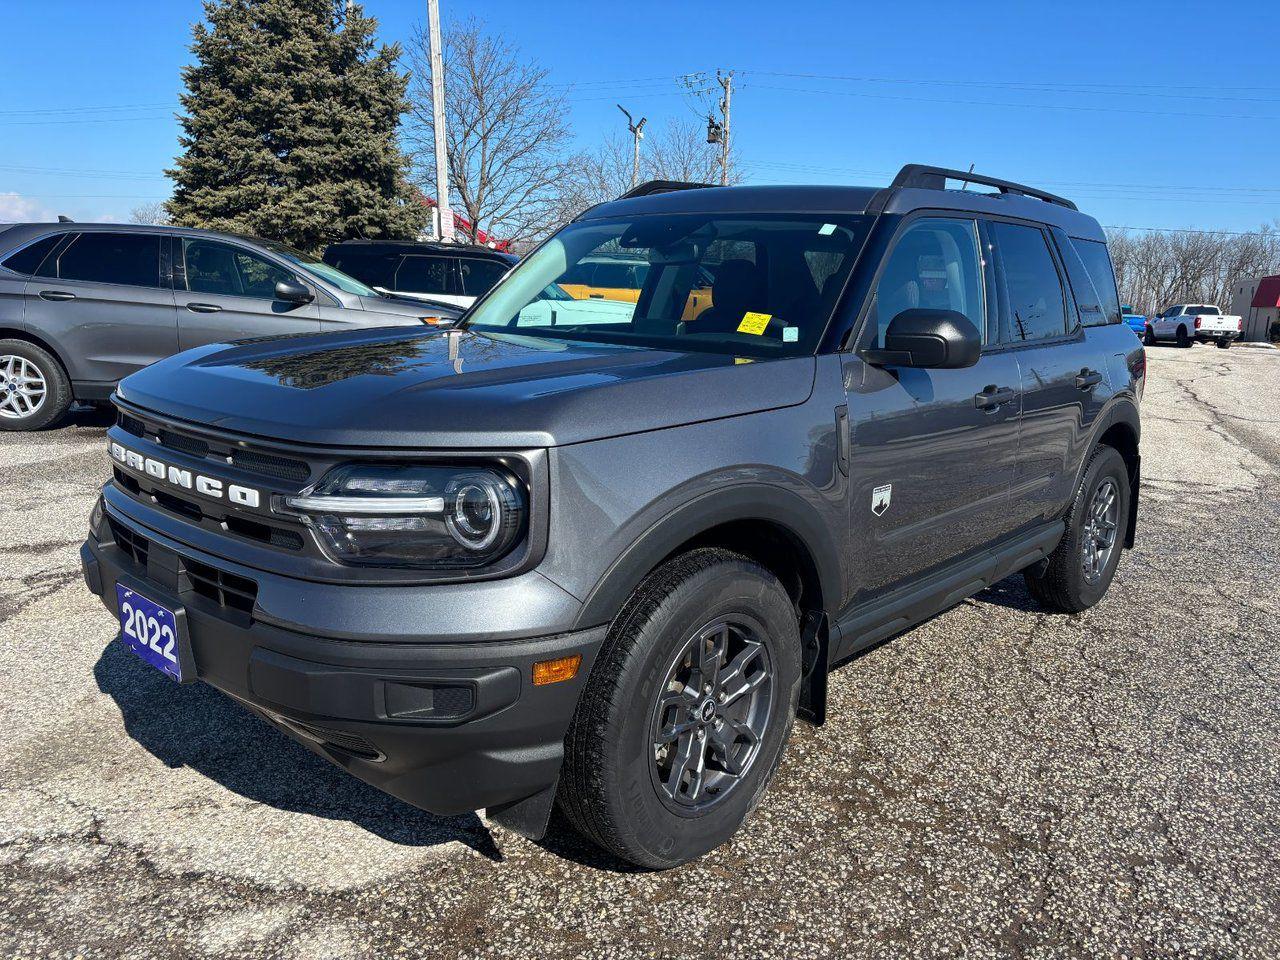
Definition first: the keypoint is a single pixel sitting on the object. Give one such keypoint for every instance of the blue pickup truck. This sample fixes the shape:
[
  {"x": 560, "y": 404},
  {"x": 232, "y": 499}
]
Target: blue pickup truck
[{"x": 1136, "y": 321}]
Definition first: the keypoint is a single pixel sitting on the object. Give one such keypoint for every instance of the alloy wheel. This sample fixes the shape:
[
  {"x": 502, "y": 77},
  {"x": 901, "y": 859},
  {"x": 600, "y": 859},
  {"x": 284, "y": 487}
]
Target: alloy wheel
[
  {"x": 1101, "y": 526},
  {"x": 711, "y": 714},
  {"x": 22, "y": 387}
]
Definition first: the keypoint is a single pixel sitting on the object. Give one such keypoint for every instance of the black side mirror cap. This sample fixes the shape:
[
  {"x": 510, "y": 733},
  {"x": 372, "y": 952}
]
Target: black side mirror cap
[
  {"x": 933, "y": 339},
  {"x": 291, "y": 291}
]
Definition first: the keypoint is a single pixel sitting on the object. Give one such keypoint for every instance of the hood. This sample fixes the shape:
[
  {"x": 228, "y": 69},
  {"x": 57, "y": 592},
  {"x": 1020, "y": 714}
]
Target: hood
[{"x": 401, "y": 388}]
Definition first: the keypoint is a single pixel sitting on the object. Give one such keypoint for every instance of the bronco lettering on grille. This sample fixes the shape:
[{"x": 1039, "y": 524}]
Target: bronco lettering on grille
[{"x": 210, "y": 487}]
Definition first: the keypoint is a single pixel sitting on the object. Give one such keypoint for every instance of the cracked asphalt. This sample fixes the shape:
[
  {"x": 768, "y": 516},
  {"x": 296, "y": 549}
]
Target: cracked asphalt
[{"x": 997, "y": 782}]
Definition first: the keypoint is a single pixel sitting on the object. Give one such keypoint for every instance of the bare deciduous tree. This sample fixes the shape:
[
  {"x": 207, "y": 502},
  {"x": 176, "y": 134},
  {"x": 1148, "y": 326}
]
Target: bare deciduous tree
[
  {"x": 507, "y": 129},
  {"x": 1155, "y": 270},
  {"x": 676, "y": 151},
  {"x": 152, "y": 212}
]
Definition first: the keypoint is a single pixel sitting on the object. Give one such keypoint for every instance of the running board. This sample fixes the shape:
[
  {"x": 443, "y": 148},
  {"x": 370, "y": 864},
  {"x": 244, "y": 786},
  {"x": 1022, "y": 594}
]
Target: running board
[{"x": 868, "y": 623}]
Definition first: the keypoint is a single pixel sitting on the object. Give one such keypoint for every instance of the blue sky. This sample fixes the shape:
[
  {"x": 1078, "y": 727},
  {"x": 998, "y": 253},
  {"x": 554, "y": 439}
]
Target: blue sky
[{"x": 1149, "y": 114}]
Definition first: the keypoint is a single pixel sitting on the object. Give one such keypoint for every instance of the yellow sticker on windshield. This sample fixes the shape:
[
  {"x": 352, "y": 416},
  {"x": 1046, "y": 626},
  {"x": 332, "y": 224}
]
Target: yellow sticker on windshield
[{"x": 754, "y": 322}]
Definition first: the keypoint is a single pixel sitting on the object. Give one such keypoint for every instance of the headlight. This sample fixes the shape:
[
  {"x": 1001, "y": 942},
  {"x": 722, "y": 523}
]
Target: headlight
[{"x": 422, "y": 517}]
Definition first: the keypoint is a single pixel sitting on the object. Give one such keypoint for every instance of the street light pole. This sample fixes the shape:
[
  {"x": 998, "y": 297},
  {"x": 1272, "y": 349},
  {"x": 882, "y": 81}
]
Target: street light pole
[
  {"x": 726, "y": 81},
  {"x": 637, "y": 134},
  {"x": 445, "y": 226}
]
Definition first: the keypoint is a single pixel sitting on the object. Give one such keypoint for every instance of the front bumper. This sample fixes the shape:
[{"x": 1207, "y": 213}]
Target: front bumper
[{"x": 446, "y": 726}]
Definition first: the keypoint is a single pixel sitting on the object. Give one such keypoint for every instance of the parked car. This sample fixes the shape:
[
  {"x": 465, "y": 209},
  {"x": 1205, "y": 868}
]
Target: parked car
[
  {"x": 450, "y": 272},
  {"x": 621, "y": 279},
  {"x": 83, "y": 305},
  {"x": 1137, "y": 322},
  {"x": 1188, "y": 323},
  {"x": 605, "y": 561}
]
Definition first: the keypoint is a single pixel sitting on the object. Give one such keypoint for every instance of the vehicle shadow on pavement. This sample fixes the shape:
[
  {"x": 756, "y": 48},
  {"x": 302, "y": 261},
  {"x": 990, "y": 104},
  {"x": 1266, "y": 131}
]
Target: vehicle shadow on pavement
[
  {"x": 196, "y": 726},
  {"x": 1010, "y": 592}
]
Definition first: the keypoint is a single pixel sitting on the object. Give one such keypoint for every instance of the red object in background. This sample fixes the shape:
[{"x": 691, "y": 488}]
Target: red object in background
[
  {"x": 1268, "y": 294},
  {"x": 463, "y": 226}
]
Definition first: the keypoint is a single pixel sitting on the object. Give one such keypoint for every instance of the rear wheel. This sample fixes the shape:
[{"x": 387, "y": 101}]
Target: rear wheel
[
  {"x": 1183, "y": 339},
  {"x": 1080, "y": 569},
  {"x": 687, "y": 711},
  {"x": 1224, "y": 344},
  {"x": 34, "y": 389}
]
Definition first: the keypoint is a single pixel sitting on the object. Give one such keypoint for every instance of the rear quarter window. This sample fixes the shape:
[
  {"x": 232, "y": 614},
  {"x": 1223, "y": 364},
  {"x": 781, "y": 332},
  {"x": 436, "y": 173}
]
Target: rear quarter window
[
  {"x": 1097, "y": 262},
  {"x": 28, "y": 259}
]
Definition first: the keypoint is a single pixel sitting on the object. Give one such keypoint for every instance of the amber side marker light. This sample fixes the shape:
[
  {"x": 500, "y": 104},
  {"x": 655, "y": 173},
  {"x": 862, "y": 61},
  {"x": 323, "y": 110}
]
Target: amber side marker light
[
  {"x": 553, "y": 671},
  {"x": 437, "y": 321}
]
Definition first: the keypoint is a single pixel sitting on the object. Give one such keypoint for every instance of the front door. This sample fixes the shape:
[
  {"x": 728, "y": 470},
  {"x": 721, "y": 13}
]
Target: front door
[
  {"x": 227, "y": 292},
  {"x": 933, "y": 452}
]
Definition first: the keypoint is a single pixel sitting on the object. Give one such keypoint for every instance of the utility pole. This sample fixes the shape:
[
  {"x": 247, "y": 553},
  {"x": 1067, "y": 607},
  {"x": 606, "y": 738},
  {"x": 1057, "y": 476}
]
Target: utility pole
[
  {"x": 445, "y": 227},
  {"x": 637, "y": 134},
  {"x": 726, "y": 82}
]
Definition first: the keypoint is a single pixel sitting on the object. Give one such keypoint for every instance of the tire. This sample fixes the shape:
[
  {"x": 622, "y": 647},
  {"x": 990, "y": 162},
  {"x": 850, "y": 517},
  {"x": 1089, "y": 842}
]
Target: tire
[
  {"x": 22, "y": 366},
  {"x": 1224, "y": 344},
  {"x": 1063, "y": 584},
  {"x": 1183, "y": 340},
  {"x": 615, "y": 781},
  {"x": 1149, "y": 337}
]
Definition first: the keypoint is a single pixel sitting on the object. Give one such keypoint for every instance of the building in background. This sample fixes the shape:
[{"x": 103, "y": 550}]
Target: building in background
[{"x": 1258, "y": 302}]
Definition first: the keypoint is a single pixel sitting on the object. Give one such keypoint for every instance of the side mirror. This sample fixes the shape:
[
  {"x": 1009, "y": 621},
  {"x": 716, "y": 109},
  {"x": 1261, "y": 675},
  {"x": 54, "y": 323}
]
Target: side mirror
[
  {"x": 937, "y": 339},
  {"x": 291, "y": 291}
]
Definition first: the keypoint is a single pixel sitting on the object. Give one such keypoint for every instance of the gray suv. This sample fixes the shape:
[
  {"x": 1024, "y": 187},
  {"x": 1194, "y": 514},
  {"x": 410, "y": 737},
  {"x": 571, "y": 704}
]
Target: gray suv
[
  {"x": 600, "y": 553},
  {"x": 82, "y": 305}
]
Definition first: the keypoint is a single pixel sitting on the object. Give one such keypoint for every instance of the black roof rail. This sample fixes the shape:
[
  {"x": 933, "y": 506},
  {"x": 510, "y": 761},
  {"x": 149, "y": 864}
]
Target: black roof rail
[
  {"x": 935, "y": 178},
  {"x": 650, "y": 187}
]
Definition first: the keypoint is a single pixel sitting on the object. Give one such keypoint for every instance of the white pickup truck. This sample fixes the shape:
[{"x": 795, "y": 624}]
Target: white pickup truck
[{"x": 1187, "y": 323}]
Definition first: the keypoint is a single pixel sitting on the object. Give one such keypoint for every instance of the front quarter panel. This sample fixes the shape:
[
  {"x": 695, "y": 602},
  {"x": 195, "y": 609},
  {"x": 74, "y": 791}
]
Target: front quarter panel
[{"x": 620, "y": 505}]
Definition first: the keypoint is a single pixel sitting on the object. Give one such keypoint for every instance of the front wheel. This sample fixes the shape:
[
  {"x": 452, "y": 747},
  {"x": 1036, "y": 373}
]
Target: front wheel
[
  {"x": 687, "y": 711},
  {"x": 1080, "y": 569},
  {"x": 1149, "y": 338}
]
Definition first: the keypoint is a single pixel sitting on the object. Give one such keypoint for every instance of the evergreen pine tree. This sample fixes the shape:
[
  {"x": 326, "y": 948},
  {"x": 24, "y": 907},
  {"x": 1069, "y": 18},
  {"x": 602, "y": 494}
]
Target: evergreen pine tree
[{"x": 290, "y": 126}]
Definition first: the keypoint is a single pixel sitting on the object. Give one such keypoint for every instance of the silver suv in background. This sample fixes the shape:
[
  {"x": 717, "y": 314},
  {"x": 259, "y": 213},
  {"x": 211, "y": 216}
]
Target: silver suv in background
[{"x": 84, "y": 305}]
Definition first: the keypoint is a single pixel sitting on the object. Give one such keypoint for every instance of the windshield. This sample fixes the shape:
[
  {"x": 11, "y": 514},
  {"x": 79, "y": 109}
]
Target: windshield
[
  {"x": 743, "y": 284},
  {"x": 318, "y": 268}
]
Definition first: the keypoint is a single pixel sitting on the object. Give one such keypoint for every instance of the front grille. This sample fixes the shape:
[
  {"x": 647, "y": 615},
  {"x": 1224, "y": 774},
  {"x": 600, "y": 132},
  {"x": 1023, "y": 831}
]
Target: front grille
[
  {"x": 131, "y": 424},
  {"x": 281, "y": 468},
  {"x": 225, "y": 589},
  {"x": 180, "y": 441},
  {"x": 135, "y": 546}
]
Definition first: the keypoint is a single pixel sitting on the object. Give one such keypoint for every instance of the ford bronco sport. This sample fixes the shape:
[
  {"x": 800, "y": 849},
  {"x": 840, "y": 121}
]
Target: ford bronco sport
[{"x": 603, "y": 559}]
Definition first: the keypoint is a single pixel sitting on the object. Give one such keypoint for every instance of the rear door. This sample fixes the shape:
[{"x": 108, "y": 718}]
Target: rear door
[
  {"x": 1063, "y": 379},
  {"x": 104, "y": 299},
  {"x": 933, "y": 452},
  {"x": 227, "y": 292},
  {"x": 478, "y": 274}
]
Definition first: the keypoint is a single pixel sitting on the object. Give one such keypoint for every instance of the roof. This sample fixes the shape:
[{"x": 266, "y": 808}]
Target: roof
[
  {"x": 1268, "y": 294},
  {"x": 812, "y": 199},
  {"x": 421, "y": 245}
]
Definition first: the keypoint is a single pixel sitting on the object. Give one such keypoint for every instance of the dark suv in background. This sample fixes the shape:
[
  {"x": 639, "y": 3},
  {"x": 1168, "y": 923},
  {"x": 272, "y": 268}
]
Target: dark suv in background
[
  {"x": 603, "y": 556},
  {"x": 454, "y": 273},
  {"x": 82, "y": 305}
]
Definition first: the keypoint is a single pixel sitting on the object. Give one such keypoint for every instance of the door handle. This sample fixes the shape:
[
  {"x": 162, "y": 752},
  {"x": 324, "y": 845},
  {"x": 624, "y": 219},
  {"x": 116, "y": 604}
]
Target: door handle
[
  {"x": 993, "y": 397},
  {"x": 1088, "y": 379},
  {"x": 56, "y": 295},
  {"x": 204, "y": 308}
]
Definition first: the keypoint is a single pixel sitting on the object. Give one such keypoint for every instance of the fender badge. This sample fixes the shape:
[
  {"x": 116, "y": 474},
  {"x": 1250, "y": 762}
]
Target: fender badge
[{"x": 880, "y": 498}]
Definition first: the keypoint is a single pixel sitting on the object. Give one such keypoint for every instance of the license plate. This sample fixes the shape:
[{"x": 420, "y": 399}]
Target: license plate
[{"x": 150, "y": 631}]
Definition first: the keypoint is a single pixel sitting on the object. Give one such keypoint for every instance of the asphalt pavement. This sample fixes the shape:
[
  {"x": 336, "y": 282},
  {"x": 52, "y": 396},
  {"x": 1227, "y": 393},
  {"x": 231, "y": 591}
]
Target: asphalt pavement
[{"x": 997, "y": 782}]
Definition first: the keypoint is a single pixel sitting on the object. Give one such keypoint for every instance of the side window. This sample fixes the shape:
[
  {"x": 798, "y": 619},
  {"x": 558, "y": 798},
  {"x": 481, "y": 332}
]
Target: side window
[
  {"x": 479, "y": 275},
  {"x": 127, "y": 258},
  {"x": 425, "y": 275},
  {"x": 28, "y": 259},
  {"x": 1097, "y": 263},
  {"x": 221, "y": 269},
  {"x": 374, "y": 270},
  {"x": 935, "y": 264},
  {"x": 1037, "y": 310}
]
